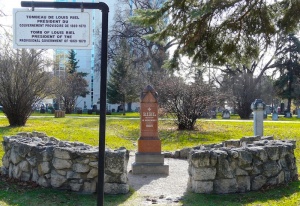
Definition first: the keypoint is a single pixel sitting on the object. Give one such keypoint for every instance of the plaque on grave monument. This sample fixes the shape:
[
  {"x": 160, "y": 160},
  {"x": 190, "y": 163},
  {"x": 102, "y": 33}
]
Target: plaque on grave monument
[
  {"x": 148, "y": 159},
  {"x": 149, "y": 141}
]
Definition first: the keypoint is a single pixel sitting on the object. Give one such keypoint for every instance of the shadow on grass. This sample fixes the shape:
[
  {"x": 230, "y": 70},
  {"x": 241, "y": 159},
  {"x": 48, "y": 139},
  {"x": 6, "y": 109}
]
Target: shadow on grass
[
  {"x": 6, "y": 129},
  {"x": 282, "y": 195},
  {"x": 18, "y": 195}
]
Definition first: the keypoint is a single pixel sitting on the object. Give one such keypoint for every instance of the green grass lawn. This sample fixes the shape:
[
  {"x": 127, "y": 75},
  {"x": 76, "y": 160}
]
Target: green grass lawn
[{"x": 124, "y": 131}]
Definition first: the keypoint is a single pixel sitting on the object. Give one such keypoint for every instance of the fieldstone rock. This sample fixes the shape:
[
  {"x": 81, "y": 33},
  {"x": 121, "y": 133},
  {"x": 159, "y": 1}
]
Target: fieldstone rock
[
  {"x": 115, "y": 178},
  {"x": 258, "y": 182},
  {"x": 45, "y": 156},
  {"x": 10, "y": 169},
  {"x": 93, "y": 164},
  {"x": 35, "y": 175},
  {"x": 202, "y": 186},
  {"x": 250, "y": 139},
  {"x": 38, "y": 134},
  {"x": 61, "y": 172},
  {"x": 113, "y": 188},
  {"x": 61, "y": 163},
  {"x": 23, "y": 150},
  {"x": 233, "y": 154},
  {"x": 5, "y": 161},
  {"x": 267, "y": 138},
  {"x": 43, "y": 182},
  {"x": 271, "y": 169},
  {"x": 279, "y": 179},
  {"x": 256, "y": 170},
  {"x": 213, "y": 159},
  {"x": 240, "y": 172},
  {"x": 93, "y": 173},
  {"x": 24, "y": 166},
  {"x": 282, "y": 162},
  {"x": 243, "y": 183},
  {"x": 259, "y": 152},
  {"x": 73, "y": 175},
  {"x": 75, "y": 186},
  {"x": 16, "y": 172},
  {"x": 177, "y": 154},
  {"x": 272, "y": 151},
  {"x": 62, "y": 154},
  {"x": 291, "y": 162},
  {"x": 14, "y": 157},
  {"x": 31, "y": 161},
  {"x": 203, "y": 173},
  {"x": 83, "y": 160},
  {"x": 225, "y": 186},
  {"x": 90, "y": 187},
  {"x": 44, "y": 168},
  {"x": 294, "y": 174},
  {"x": 232, "y": 143},
  {"x": 57, "y": 180},
  {"x": 184, "y": 153},
  {"x": 116, "y": 162},
  {"x": 245, "y": 157},
  {"x": 224, "y": 169},
  {"x": 200, "y": 158},
  {"x": 25, "y": 176},
  {"x": 4, "y": 171},
  {"x": 81, "y": 168},
  {"x": 168, "y": 154}
]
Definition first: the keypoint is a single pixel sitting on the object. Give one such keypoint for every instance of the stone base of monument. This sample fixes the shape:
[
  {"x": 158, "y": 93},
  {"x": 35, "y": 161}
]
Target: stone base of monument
[
  {"x": 149, "y": 163},
  {"x": 149, "y": 145}
]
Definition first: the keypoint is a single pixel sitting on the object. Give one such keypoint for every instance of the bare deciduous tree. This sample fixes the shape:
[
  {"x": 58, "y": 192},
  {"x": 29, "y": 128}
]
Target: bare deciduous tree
[
  {"x": 186, "y": 101},
  {"x": 147, "y": 57},
  {"x": 23, "y": 82},
  {"x": 71, "y": 87},
  {"x": 123, "y": 84}
]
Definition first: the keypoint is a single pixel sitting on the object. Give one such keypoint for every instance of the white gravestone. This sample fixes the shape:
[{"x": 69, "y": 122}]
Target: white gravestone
[{"x": 258, "y": 107}]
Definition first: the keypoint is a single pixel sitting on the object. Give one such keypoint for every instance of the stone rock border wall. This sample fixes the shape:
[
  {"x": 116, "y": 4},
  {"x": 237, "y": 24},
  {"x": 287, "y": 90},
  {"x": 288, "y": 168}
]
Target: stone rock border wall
[
  {"x": 249, "y": 164},
  {"x": 64, "y": 165}
]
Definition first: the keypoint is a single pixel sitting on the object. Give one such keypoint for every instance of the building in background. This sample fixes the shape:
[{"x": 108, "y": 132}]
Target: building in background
[{"x": 87, "y": 57}]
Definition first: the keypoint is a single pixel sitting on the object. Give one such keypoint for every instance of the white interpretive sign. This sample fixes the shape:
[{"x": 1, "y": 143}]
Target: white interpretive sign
[{"x": 52, "y": 29}]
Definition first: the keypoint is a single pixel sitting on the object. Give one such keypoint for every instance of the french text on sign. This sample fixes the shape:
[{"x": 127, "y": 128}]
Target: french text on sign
[{"x": 54, "y": 29}]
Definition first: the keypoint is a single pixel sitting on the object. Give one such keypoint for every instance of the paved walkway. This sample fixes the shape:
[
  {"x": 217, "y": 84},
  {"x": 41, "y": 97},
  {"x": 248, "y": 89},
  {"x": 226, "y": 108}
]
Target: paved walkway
[{"x": 159, "y": 189}]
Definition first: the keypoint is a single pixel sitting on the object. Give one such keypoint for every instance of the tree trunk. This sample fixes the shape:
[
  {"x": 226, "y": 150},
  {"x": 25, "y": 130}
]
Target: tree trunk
[
  {"x": 17, "y": 119},
  {"x": 244, "y": 110},
  {"x": 186, "y": 124},
  {"x": 289, "y": 105},
  {"x": 123, "y": 104}
]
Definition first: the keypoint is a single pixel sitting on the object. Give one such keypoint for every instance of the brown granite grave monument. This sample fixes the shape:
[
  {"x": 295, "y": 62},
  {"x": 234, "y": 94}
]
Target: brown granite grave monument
[{"x": 148, "y": 159}]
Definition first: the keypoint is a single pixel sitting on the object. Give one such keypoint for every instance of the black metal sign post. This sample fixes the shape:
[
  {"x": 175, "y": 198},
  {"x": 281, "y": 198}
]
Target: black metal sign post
[{"x": 104, "y": 8}]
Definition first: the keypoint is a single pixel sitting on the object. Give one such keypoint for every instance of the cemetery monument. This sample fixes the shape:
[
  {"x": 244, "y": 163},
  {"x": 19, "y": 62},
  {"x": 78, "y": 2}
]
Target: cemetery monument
[{"x": 149, "y": 159}]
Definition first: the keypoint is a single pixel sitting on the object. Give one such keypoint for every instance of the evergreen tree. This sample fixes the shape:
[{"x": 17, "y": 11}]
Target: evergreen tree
[
  {"x": 73, "y": 84},
  {"x": 123, "y": 84},
  {"x": 221, "y": 31},
  {"x": 289, "y": 67},
  {"x": 72, "y": 64}
]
